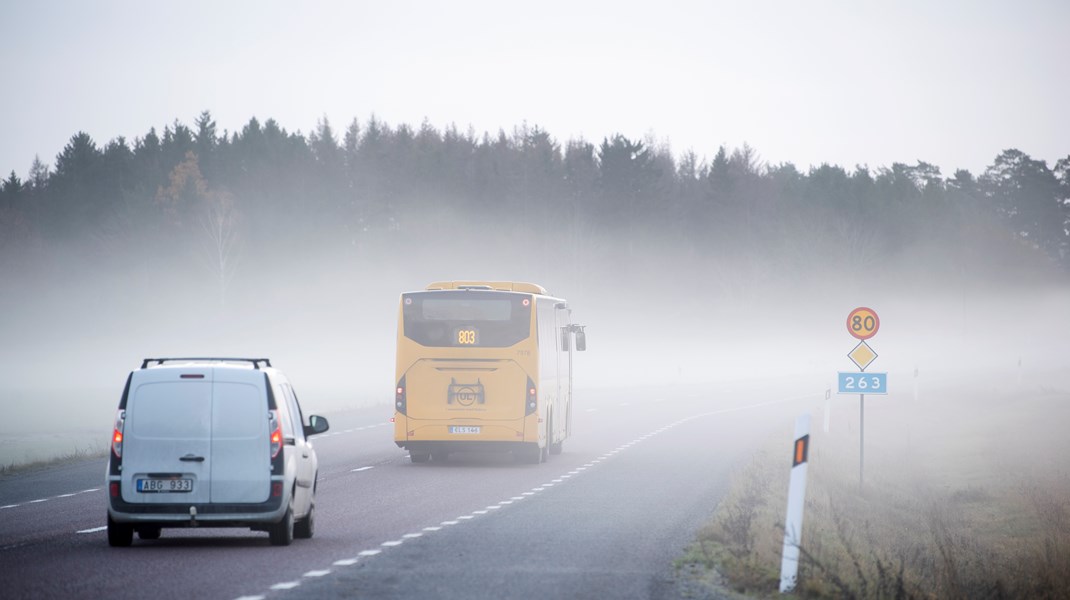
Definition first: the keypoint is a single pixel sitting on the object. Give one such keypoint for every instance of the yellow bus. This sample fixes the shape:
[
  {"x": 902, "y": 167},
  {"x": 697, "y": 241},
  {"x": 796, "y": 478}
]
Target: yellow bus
[{"x": 484, "y": 365}]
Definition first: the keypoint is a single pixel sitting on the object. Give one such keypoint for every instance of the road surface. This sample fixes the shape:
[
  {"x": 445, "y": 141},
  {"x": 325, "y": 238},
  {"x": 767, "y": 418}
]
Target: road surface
[{"x": 642, "y": 472}]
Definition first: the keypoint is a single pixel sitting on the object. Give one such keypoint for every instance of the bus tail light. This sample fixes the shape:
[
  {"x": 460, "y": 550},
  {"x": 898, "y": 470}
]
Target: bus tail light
[
  {"x": 117, "y": 435},
  {"x": 276, "y": 432},
  {"x": 530, "y": 398},
  {"x": 399, "y": 397}
]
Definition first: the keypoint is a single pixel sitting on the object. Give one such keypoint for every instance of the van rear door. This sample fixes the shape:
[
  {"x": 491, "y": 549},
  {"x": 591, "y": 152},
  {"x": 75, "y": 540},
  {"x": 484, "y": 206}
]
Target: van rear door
[
  {"x": 241, "y": 448},
  {"x": 167, "y": 444}
]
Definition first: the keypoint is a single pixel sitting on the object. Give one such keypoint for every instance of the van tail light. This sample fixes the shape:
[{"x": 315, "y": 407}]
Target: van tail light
[
  {"x": 275, "y": 425},
  {"x": 114, "y": 489},
  {"x": 117, "y": 435}
]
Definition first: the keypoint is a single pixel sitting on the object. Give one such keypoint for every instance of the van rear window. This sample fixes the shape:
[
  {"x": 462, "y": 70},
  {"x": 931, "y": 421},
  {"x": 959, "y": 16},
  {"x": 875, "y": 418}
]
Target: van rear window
[{"x": 171, "y": 410}]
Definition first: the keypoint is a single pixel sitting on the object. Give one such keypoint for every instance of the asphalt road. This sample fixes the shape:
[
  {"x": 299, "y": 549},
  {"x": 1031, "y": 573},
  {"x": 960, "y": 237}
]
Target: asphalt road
[{"x": 642, "y": 472}]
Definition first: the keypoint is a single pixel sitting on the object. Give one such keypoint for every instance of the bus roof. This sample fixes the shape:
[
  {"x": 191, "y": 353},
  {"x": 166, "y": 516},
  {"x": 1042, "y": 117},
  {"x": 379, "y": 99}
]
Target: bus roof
[{"x": 503, "y": 286}]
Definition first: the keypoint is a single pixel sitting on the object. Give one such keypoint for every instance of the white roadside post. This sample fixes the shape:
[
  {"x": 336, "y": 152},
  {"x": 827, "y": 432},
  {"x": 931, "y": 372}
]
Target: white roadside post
[{"x": 789, "y": 564}]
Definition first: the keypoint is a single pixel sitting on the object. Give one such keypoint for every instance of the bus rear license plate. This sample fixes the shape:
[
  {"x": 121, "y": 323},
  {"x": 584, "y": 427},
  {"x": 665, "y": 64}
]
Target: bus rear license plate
[
  {"x": 463, "y": 429},
  {"x": 164, "y": 486}
]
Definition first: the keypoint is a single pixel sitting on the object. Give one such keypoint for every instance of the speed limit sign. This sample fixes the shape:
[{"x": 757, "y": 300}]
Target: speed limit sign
[{"x": 863, "y": 323}]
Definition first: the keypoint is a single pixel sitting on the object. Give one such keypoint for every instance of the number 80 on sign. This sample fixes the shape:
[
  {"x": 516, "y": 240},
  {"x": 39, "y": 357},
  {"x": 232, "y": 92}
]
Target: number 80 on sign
[{"x": 862, "y": 383}]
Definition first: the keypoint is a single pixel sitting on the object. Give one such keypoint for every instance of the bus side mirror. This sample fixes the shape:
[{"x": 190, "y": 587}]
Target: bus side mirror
[
  {"x": 581, "y": 340},
  {"x": 564, "y": 339}
]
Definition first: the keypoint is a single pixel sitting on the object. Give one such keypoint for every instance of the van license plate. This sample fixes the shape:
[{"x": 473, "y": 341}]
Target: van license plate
[
  {"x": 149, "y": 486},
  {"x": 463, "y": 429}
]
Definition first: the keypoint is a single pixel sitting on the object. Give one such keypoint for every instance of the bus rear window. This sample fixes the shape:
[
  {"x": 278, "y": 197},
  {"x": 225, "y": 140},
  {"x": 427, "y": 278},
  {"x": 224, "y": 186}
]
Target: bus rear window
[{"x": 466, "y": 318}]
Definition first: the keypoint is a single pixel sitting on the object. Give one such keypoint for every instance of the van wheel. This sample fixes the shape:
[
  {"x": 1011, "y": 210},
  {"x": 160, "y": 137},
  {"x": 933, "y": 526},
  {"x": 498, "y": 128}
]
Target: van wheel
[
  {"x": 282, "y": 533},
  {"x": 148, "y": 533},
  {"x": 119, "y": 534},
  {"x": 420, "y": 457},
  {"x": 306, "y": 527}
]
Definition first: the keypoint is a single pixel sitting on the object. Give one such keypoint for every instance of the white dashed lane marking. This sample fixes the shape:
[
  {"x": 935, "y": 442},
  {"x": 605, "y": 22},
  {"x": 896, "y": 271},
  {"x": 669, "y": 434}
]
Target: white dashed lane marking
[
  {"x": 358, "y": 470},
  {"x": 40, "y": 500},
  {"x": 408, "y": 536},
  {"x": 93, "y": 530}
]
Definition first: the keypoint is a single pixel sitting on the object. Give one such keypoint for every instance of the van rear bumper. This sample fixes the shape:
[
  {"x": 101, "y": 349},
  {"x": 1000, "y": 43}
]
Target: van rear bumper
[{"x": 210, "y": 514}]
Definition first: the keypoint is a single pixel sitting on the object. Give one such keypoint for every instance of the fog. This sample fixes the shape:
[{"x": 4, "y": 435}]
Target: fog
[{"x": 74, "y": 324}]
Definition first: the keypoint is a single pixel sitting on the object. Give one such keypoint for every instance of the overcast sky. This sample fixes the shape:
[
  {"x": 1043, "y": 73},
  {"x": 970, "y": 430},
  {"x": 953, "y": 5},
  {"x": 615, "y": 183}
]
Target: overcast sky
[{"x": 951, "y": 82}]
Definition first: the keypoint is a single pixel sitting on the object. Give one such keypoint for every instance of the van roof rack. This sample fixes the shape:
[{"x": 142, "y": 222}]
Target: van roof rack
[{"x": 159, "y": 361}]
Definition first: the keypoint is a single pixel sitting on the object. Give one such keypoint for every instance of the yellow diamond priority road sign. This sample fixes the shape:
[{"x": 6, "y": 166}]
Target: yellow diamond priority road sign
[{"x": 862, "y": 355}]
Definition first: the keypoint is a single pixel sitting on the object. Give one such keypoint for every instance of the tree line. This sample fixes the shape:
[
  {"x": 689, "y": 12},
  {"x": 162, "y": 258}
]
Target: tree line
[{"x": 263, "y": 189}]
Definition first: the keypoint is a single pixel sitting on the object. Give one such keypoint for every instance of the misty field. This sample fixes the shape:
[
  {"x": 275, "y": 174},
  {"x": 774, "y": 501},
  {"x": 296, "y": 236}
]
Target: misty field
[{"x": 966, "y": 495}]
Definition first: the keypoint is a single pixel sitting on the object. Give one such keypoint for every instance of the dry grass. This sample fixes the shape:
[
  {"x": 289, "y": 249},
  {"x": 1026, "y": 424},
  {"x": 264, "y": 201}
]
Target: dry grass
[
  {"x": 92, "y": 451},
  {"x": 959, "y": 502}
]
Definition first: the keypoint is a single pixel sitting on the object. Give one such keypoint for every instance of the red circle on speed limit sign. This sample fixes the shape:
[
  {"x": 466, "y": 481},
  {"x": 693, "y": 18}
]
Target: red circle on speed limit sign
[{"x": 863, "y": 323}]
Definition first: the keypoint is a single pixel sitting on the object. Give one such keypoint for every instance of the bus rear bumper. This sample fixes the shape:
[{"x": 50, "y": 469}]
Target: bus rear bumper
[{"x": 485, "y": 446}]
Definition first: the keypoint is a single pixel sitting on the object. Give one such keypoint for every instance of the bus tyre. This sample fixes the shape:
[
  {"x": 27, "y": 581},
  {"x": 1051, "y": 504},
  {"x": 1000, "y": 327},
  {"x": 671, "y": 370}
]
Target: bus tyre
[
  {"x": 554, "y": 447},
  {"x": 530, "y": 454},
  {"x": 120, "y": 534},
  {"x": 440, "y": 457},
  {"x": 419, "y": 457}
]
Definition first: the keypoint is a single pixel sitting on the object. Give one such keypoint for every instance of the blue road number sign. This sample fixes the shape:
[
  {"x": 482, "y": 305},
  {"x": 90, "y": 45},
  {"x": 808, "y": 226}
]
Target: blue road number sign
[{"x": 863, "y": 383}]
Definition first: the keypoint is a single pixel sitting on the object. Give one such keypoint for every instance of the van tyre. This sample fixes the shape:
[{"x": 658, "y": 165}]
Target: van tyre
[
  {"x": 148, "y": 533},
  {"x": 119, "y": 534},
  {"x": 282, "y": 533},
  {"x": 304, "y": 528}
]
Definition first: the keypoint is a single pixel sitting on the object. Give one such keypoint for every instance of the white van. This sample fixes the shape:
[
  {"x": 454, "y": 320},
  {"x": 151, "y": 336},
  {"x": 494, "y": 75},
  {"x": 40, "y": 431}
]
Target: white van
[{"x": 211, "y": 442}]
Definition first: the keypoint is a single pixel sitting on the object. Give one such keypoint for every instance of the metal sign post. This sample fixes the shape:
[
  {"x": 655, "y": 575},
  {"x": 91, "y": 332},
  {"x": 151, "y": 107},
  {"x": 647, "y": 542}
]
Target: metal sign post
[{"x": 862, "y": 324}]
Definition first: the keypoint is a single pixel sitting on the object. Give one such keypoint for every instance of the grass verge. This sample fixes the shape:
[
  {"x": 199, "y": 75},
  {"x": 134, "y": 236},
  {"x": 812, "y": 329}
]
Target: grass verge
[
  {"x": 967, "y": 501},
  {"x": 93, "y": 451}
]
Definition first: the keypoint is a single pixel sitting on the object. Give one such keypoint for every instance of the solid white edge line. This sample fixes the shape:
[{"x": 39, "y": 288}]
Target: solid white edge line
[
  {"x": 358, "y": 470},
  {"x": 93, "y": 530},
  {"x": 37, "y": 501}
]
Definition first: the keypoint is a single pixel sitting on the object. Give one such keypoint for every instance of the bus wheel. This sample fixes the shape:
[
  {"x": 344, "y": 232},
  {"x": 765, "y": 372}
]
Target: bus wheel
[
  {"x": 440, "y": 457},
  {"x": 530, "y": 454},
  {"x": 419, "y": 457},
  {"x": 556, "y": 448}
]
